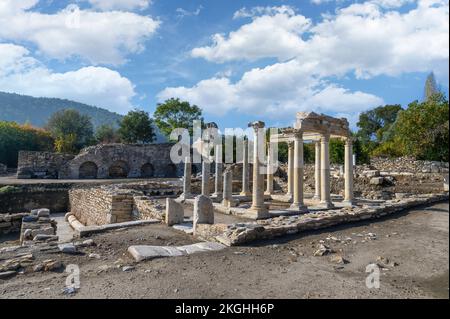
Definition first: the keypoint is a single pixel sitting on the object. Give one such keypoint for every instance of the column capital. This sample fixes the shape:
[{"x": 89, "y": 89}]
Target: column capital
[
  {"x": 257, "y": 125},
  {"x": 325, "y": 137},
  {"x": 349, "y": 140},
  {"x": 298, "y": 134},
  {"x": 290, "y": 144}
]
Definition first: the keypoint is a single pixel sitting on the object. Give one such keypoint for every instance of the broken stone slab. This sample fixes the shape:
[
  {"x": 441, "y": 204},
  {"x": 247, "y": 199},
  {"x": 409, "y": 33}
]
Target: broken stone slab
[
  {"x": 376, "y": 181},
  {"x": 43, "y": 212},
  {"x": 68, "y": 248},
  {"x": 44, "y": 237},
  {"x": 7, "y": 274},
  {"x": 185, "y": 227},
  {"x": 141, "y": 253}
]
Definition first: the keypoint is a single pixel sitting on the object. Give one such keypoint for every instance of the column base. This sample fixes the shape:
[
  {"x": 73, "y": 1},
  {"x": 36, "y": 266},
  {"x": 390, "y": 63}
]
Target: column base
[
  {"x": 316, "y": 197},
  {"x": 349, "y": 203},
  {"x": 326, "y": 205},
  {"x": 230, "y": 203},
  {"x": 257, "y": 213},
  {"x": 298, "y": 208},
  {"x": 268, "y": 193},
  {"x": 185, "y": 196},
  {"x": 247, "y": 193}
]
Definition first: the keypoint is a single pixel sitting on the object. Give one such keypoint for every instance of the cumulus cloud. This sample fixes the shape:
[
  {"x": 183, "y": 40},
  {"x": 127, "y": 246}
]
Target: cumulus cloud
[
  {"x": 120, "y": 4},
  {"x": 277, "y": 91},
  {"x": 99, "y": 86},
  {"x": 72, "y": 32},
  {"x": 274, "y": 34},
  {"x": 364, "y": 39}
]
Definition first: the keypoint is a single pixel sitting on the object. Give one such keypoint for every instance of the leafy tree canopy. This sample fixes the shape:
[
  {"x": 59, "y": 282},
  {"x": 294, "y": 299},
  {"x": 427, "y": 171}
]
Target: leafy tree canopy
[
  {"x": 71, "y": 125},
  {"x": 106, "y": 134},
  {"x": 136, "y": 127},
  {"x": 375, "y": 123},
  {"x": 174, "y": 113}
]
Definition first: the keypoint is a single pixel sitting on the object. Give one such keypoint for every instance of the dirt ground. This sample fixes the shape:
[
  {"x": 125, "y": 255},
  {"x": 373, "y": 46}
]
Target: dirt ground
[{"x": 417, "y": 242}]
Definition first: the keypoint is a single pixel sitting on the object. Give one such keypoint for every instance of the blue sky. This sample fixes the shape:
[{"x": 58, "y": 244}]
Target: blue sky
[{"x": 238, "y": 60}]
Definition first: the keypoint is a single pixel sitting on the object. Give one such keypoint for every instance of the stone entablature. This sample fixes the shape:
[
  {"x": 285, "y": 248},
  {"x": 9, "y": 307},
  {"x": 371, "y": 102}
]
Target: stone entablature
[{"x": 102, "y": 162}]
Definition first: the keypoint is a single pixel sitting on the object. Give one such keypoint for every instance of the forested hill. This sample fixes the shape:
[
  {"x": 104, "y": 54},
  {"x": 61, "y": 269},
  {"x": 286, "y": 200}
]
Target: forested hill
[{"x": 36, "y": 111}]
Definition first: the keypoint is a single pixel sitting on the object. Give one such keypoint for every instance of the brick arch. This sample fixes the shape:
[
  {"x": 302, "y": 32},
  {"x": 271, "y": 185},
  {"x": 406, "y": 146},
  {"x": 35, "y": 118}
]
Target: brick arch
[
  {"x": 88, "y": 170},
  {"x": 118, "y": 169},
  {"x": 147, "y": 170}
]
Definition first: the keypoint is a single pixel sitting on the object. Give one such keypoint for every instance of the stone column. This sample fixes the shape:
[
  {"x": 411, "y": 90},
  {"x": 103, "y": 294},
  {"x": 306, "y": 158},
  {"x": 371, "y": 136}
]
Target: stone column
[
  {"x": 298, "y": 198},
  {"x": 187, "y": 179},
  {"x": 290, "y": 170},
  {"x": 228, "y": 189},
  {"x": 258, "y": 209},
  {"x": 270, "y": 167},
  {"x": 325, "y": 196},
  {"x": 348, "y": 197},
  {"x": 317, "y": 172},
  {"x": 245, "y": 171},
  {"x": 218, "y": 192},
  {"x": 206, "y": 168}
]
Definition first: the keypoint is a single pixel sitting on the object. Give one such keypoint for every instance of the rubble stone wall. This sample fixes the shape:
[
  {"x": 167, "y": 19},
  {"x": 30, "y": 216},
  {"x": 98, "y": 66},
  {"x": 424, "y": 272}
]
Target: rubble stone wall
[
  {"x": 3, "y": 169},
  {"x": 24, "y": 199},
  {"x": 101, "y": 161},
  {"x": 40, "y": 164},
  {"x": 408, "y": 164},
  {"x": 11, "y": 223}
]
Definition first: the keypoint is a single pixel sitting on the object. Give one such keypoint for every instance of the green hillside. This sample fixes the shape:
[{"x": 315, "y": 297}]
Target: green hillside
[{"x": 36, "y": 111}]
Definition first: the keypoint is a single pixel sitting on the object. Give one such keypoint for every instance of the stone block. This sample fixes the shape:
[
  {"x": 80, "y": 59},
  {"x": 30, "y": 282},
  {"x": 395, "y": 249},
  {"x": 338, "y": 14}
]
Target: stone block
[
  {"x": 376, "y": 181},
  {"x": 203, "y": 211},
  {"x": 174, "y": 212}
]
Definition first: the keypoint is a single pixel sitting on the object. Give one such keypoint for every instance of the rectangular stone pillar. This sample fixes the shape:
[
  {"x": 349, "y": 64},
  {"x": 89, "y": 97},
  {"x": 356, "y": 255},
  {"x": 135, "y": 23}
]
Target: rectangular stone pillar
[
  {"x": 317, "y": 172},
  {"x": 206, "y": 168},
  {"x": 228, "y": 200},
  {"x": 290, "y": 170},
  {"x": 258, "y": 210},
  {"x": 187, "y": 179},
  {"x": 298, "y": 198},
  {"x": 348, "y": 197},
  {"x": 245, "y": 171},
  {"x": 218, "y": 186},
  {"x": 325, "y": 196},
  {"x": 270, "y": 168}
]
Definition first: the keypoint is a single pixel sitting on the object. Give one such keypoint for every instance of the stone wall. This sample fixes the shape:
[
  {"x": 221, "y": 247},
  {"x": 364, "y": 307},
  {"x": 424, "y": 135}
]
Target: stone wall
[
  {"x": 25, "y": 198},
  {"x": 11, "y": 223},
  {"x": 3, "y": 169},
  {"x": 122, "y": 161},
  {"x": 40, "y": 164},
  {"x": 119, "y": 203},
  {"x": 408, "y": 164}
]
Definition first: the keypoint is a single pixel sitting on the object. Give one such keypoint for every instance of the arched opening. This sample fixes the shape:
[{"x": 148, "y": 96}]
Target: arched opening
[
  {"x": 171, "y": 171},
  {"x": 88, "y": 170},
  {"x": 147, "y": 170},
  {"x": 118, "y": 169}
]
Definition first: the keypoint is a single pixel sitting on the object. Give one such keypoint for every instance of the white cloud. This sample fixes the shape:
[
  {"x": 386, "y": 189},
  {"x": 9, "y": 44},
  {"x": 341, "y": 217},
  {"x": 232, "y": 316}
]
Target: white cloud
[
  {"x": 98, "y": 37},
  {"x": 99, "y": 86},
  {"x": 367, "y": 39},
  {"x": 364, "y": 38},
  {"x": 186, "y": 13},
  {"x": 277, "y": 91},
  {"x": 276, "y": 34},
  {"x": 120, "y": 4}
]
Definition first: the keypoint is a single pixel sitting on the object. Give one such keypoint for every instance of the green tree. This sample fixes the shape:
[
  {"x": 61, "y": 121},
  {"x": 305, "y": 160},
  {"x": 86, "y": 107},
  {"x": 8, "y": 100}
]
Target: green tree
[
  {"x": 136, "y": 127},
  {"x": 423, "y": 129},
  {"x": 15, "y": 138},
  {"x": 431, "y": 87},
  {"x": 375, "y": 123},
  {"x": 174, "y": 113},
  {"x": 106, "y": 134},
  {"x": 73, "y": 127}
]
